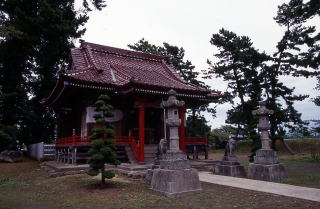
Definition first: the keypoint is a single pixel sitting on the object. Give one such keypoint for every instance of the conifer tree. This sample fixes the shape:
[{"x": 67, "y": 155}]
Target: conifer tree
[
  {"x": 297, "y": 55},
  {"x": 35, "y": 41},
  {"x": 299, "y": 49},
  {"x": 316, "y": 101},
  {"x": 101, "y": 150},
  {"x": 239, "y": 65}
]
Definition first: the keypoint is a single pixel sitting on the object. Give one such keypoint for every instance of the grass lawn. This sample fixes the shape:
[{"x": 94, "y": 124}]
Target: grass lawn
[
  {"x": 302, "y": 170},
  {"x": 25, "y": 185}
]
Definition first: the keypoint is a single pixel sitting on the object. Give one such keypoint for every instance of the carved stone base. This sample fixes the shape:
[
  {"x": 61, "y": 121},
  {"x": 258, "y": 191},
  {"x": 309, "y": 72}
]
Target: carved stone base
[
  {"x": 273, "y": 172},
  {"x": 266, "y": 157},
  {"x": 228, "y": 168},
  {"x": 174, "y": 182},
  {"x": 174, "y": 160}
]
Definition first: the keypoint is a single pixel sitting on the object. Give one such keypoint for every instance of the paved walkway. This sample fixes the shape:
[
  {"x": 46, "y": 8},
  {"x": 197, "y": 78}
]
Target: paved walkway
[{"x": 262, "y": 186}]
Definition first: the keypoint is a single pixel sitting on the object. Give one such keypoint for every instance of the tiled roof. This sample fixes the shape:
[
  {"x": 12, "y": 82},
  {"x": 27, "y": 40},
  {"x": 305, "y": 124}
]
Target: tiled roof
[
  {"x": 93, "y": 64},
  {"x": 118, "y": 67}
]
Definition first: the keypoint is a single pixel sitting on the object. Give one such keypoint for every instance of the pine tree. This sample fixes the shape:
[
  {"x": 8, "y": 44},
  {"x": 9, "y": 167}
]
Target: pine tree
[
  {"x": 297, "y": 55},
  {"x": 6, "y": 138},
  {"x": 240, "y": 65},
  {"x": 101, "y": 150},
  {"x": 35, "y": 41},
  {"x": 316, "y": 100}
]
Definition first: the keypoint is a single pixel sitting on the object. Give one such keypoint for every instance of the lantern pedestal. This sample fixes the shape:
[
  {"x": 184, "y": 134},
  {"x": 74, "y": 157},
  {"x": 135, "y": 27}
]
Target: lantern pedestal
[
  {"x": 263, "y": 172},
  {"x": 175, "y": 182},
  {"x": 229, "y": 168}
]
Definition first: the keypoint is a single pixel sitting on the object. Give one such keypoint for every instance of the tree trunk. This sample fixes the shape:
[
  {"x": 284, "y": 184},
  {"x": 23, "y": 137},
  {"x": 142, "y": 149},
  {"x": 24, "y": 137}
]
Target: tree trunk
[
  {"x": 287, "y": 147},
  {"x": 273, "y": 144},
  {"x": 102, "y": 176}
]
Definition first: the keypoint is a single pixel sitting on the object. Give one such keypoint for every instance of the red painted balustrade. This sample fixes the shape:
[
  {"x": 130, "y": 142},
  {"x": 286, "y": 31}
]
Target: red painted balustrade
[
  {"x": 192, "y": 141},
  {"x": 195, "y": 140},
  {"x": 125, "y": 140},
  {"x": 85, "y": 141}
]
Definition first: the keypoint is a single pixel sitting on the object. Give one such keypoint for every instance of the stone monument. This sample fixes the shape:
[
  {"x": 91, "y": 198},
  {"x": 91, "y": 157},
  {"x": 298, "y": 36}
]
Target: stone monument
[
  {"x": 229, "y": 165},
  {"x": 175, "y": 175},
  {"x": 266, "y": 164}
]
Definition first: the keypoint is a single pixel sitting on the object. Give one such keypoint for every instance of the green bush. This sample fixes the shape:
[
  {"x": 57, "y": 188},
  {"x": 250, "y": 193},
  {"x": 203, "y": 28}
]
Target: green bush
[{"x": 101, "y": 148}]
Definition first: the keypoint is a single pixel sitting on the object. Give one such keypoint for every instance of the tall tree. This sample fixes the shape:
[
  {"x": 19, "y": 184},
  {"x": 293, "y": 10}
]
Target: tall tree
[
  {"x": 297, "y": 55},
  {"x": 35, "y": 38},
  {"x": 239, "y": 65},
  {"x": 316, "y": 100}
]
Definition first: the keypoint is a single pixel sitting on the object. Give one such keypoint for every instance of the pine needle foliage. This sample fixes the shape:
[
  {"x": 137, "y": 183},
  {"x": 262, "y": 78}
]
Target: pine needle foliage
[{"x": 101, "y": 147}]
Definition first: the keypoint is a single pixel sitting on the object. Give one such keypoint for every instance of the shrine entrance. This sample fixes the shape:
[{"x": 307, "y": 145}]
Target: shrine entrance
[{"x": 153, "y": 125}]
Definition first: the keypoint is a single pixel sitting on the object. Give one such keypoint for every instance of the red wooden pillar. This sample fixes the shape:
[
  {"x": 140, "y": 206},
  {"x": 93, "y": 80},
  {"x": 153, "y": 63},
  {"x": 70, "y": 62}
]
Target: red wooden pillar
[
  {"x": 141, "y": 134},
  {"x": 182, "y": 115}
]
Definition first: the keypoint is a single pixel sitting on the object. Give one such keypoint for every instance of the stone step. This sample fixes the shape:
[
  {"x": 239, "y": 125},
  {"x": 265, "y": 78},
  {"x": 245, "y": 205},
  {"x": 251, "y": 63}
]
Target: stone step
[
  {"x": 150, "y": 149},
  {"x": 150, "y": 154}
]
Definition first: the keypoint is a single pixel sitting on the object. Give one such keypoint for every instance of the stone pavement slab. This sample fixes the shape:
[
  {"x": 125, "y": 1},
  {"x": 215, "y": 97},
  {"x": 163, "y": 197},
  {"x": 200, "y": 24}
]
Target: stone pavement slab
[{"x": 262, "y": 186}]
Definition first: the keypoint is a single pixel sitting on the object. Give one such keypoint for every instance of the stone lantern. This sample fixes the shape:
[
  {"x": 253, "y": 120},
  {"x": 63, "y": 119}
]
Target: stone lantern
[
  {"x": 266, "y": 164},
  {"x": 175, "y": 174},
  {"x": 229, "y": 165},
  {"x": 173, "y": 158}
]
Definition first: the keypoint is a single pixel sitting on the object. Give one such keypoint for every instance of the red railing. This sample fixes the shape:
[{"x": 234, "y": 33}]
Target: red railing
[
  {"x": 195, "y": 140},
  {"x": 85, "y": 141},
  {"x": 124, "y": 140}
]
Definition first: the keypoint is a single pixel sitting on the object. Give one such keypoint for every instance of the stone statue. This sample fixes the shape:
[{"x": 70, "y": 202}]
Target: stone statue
[
  {"x": 230, "y": 147},
  {"x": 229, "y": 165},
  {"x": 162, "y": 148}
]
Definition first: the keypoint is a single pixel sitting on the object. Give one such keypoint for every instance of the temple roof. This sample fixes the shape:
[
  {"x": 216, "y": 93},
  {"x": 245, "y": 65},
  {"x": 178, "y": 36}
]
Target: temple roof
[{"x": 98, "y": 66}]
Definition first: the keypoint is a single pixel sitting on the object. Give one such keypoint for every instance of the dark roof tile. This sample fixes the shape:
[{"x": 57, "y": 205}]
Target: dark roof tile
[{"x": 107, "y": 65}]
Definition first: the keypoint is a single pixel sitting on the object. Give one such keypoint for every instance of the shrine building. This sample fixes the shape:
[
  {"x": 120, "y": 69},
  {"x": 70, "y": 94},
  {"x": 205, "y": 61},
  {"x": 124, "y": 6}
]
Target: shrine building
[{"x": 136, "y": 83}]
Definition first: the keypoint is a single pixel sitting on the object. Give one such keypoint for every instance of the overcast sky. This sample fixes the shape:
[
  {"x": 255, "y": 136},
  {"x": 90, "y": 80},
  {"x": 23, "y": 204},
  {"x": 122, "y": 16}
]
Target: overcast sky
[{"x": 190, "y": 24}]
